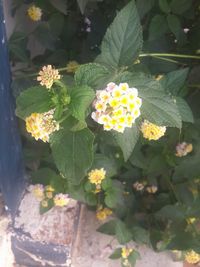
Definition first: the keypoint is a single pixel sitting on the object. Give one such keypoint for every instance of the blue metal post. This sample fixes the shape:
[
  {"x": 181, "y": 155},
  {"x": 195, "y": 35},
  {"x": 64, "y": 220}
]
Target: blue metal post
[{"x": 12, "y": 182}]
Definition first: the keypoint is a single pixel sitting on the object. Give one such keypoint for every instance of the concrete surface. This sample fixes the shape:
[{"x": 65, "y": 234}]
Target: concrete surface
[{"x": 92, "y": 249}]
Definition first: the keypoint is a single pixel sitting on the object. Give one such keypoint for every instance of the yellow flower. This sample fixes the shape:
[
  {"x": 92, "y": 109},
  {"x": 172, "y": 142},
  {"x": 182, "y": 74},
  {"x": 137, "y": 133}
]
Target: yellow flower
[
  {"x": 41, "y": 125},
  {"x": 183, "y": 149},
  {"x": 191, "y": 220},
  {"x": 117, "y": 107},
  {"x": 192, "y": 257},
  {"x": 44, "y": 203},
  {"x": 158, "y": 77},
  {"x": 152, "y": 189},
  {"x": 103, "y": 213},
  {"x": 34, "y": 13},
  {"x": 49, "y": 195},
  {"x": 97, "y": 176},
  {"x": 126, "y": 252},
  {"x": 47, "y": 76},
  {"x": 72, "y": 66},
  {"x": 38, "y": 191},
  {"x": 61, "y": 200},
  {"x": 152, "y": 131},
  {"x": 49, "y": 188}
]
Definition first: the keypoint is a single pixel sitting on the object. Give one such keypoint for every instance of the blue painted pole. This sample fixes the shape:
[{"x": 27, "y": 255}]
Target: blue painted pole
[{"x": 12, "y": 182}]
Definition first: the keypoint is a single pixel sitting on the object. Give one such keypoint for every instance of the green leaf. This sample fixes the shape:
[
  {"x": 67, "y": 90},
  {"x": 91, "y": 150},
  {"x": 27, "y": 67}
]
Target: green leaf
[
  {"x": 158, "y": 27},
  {"x": 73, "y": 153},
  {"x": 157, "y": 107},
  {"x": 109, "y": 164},
  {"x": 174, "y": 81},
  {"x": 44, "y": 36},
  {"x": 144, "y": 7},
  {"x": 82, "y": 5},
  {"x": 81, "y": 98},
  {"x": 164, "y": 6},
  {"x": 140, "y": 235},
  {"x": 90, "y": 74},
  {"x": 123, "y": 234},
  {"x": 127, "y": 140},
  {"x": 184, "y": 110},
  {"x": 133, "y": 257},
  {"x": 114, "y": 195},
  {"x": 178, "y": 7},
  {"x": 174, "y": 25},
  {"x": 188, "y": 168},
  {"x": 45, "y": 209},
  {"x": 171, "y": 212},
  {"x": 106, "y": 184},
  {"x": 108, "y": 227},
  {"x": 123, "y": 40},
  {"x": 116, "y": 254},
  {"x": 18, "y": 46},
  {"x": 91, "y": 199},
  {"x": 35, "y": 99}
]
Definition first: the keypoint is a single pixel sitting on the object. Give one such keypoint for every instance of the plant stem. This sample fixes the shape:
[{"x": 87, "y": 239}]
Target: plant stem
[
  {"x": 169, "y": 55},
  {"x": 167, "y": 59}
]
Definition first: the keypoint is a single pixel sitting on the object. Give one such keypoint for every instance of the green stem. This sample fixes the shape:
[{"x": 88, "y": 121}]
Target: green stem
[
  {"x": 168, "y": 55},
  {"x": 167, "y": 59}
]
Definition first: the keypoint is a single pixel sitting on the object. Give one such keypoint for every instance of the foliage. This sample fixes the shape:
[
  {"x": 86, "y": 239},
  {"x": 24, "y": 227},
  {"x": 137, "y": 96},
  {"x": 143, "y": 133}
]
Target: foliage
[{"x": 152, "y": 187}]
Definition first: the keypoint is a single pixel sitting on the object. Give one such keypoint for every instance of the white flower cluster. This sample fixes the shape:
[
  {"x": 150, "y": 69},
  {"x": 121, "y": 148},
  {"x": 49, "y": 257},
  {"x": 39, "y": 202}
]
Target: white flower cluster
[{"x": 117, "y": 107}]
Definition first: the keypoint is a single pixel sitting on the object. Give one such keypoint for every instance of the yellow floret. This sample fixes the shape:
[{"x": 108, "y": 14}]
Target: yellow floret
[
  {"x": 97, "y": 176},
  {"x": 34, "y": 13},
  {"x": 103, "y": 213},
  {"x": 72, "y": 66},
  {"x": 192, "y": 257},
  {"x": 152, "y": 131},
  {"x": 126, "y": 252},
  {"x": 41, "y": 125},
  {"x": 61, "y": 200}
]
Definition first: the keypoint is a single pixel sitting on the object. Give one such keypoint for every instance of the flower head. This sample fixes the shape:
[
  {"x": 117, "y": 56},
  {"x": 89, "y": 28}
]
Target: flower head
[
  {"x": 38, "y": 191},
  {"x": 61, "y": 200},
  {"x": 152, "y": 131},
  {"x": 41, "y": 125},
  {"x": 97, "y": 176},
  {"x": 72, "y": 66},
  {"x": 152, "y": 189},
  {"x": 126, "y": 252},
  {"x": 47, "y": 76},
  {"x": 138, "y": 186},
  {"x": 103, "y": 213},
  {"x": 182, "y": 149},
  {"x": 192, "y": 257},
  {"x": 191, "y": 220},
  {"x": 117, "y": 107},
  {"x": 49, "y": 188},
  {"x": 44, "y": 203},
  {"x": 34, "y": 13}
]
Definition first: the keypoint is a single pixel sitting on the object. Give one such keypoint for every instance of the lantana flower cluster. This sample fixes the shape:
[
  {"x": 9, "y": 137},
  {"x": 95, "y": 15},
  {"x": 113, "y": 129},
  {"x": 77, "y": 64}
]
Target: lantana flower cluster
[
  {"x": 96, "y": 177},
  {"x": 47, "y": 76},
  {"x": 61, "y": 200},
  {"x": 152, "y": 131},
  {"x": 41, "y": 125},
  {"x": 34, "y": 13},
  {"x": 117, "y": 107},
  {"x": 183, "y": 149},
  {"x": 192, "y": 257},
  {"x": 103, "y": 213}
]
